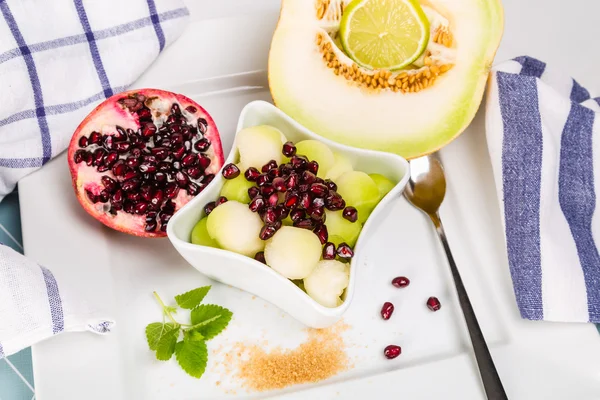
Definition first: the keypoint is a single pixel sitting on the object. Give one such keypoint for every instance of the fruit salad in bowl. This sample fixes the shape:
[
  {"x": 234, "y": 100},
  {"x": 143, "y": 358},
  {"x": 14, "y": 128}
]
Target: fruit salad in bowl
[{"x": 287, "y": 216}]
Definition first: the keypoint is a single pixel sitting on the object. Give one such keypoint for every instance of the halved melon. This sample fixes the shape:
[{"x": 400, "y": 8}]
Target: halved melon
[{"x": 410, "y": 112}]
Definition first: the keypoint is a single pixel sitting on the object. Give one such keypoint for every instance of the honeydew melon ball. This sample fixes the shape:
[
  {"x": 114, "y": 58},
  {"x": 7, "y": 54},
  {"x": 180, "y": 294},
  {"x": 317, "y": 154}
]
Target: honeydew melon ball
[
  {"x": 235, "y": 228},
  {"x": 340, "y": 227},
  {"x": 258, "y": 145},
  {"x": 237, "y": 189},
  {"x": 319, "y": 152},
  {"x": 383, "y": 183},
  {"x": 293, "y": 252},
  {"x": 340, "y": 100},
  {"x": 327, "y": 282},
  {"x": 360, "y": 191},
  {"x": 200, "y": 235},
  {"x": 341, "y": 165}
]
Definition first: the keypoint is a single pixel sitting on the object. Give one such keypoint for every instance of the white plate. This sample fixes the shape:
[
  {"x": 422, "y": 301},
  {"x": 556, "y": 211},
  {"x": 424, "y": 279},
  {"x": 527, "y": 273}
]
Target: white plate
[{"x": 535, "y": 360}]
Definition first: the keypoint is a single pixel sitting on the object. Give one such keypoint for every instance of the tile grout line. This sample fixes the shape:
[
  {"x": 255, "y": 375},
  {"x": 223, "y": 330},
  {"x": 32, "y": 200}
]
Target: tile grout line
[
  {"x": 19, "y": 374},
  {"x": 11, "y": 236}
]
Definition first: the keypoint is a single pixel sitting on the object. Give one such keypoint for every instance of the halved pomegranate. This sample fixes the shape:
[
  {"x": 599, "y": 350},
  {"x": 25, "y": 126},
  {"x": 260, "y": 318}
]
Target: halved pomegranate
[{"x": 140, "y": 156}]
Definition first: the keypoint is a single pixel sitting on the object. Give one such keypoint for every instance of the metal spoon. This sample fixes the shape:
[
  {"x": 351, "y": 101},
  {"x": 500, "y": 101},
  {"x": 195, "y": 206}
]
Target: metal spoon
[{"x": 426, "y": 190}]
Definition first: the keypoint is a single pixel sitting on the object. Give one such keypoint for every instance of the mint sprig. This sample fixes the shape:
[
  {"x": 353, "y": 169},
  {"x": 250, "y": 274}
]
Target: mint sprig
[{"x": 207, "y": 321}]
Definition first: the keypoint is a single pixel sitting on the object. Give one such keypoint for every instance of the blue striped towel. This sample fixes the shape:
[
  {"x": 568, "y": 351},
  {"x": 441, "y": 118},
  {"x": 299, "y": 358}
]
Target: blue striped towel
[
  {"x": 543, "y": 132},
  {"x": 58, "y": 60}
]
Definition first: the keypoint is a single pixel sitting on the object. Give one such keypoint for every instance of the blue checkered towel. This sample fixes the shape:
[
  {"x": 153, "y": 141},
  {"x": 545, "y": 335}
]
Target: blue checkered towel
[
  {"x": 58, "y": 60},
  {"x": 543, "y": 132}
]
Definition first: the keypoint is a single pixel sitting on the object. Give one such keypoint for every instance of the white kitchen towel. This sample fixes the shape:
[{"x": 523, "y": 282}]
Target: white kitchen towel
[
  {"x": 58, "y": 60},
  {"x": 543, "y": 133}
]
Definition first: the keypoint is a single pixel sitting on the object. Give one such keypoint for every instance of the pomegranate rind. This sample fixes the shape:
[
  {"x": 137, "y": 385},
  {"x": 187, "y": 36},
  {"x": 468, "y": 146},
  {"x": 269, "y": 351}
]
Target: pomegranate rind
[{"x": 104, "y": 119}]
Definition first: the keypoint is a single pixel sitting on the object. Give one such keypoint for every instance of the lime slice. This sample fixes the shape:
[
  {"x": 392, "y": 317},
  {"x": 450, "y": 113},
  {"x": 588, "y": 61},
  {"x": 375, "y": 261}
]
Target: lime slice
[{"x": 384, "y": 34}]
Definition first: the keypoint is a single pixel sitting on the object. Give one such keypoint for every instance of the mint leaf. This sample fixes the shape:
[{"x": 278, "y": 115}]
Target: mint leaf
[
  {"x": 206, "y": 312},
  {"x": 192, "y": 298},
  {"x": 166, "y": 344},
  {"x": 192, "y": 356},
  {"x": 155, "y": 331},
  {"x": 193, "y": 336}
]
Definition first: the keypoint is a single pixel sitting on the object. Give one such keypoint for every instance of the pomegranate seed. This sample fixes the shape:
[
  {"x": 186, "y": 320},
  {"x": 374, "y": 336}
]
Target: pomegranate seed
[
  {"x": 209, "y": 207},
  {"x": 253, "y": 192},
  {"x": 350, "y": 213},
  {"x": 318, "y": 189},
  {"x": 102, "y": 168},
  {"x": 257, "y": 204},
  {"x": 150, "y": 226},
  {"x": 267, "y": 232},
  {"x": 312, "y": 166},
  {"x": 130, "y": 185},
  {"x": 269, "y": 166},
  {"x": 148, "y": 130},
  {"x": 175, "y": 109},
  {"x": 136, "y": 152},
  {"x": 132, "y": 162},
  {"x": 260, "y": 256},
  {"x": 146, "y": 191},
  {"x": 193, "y": 189},
  {"x": 386, "y": 310},
  {"x": 109, "y": 183},
  {"x": 204, "y": 161},
  {"x": 89, "y": 158},
  {"x": 318, "y": 202},
  {"x": 181, "y": 179},
  {"x": 329, "y": 251},
  {"x": 140, "y": 208},
  {"x": 79, "y": 156},
  {"x": 202, "y": 125},
  {"x": 267, "y": 190},
  {"x": 144, "y": 114},
  {"x": 119, "y": 168},
  {"x": 262, "y": 180},
  {"x": 321, "y": 232},
  {"x": 282, "y": 212},
  {"x": 308, "y": 178},
  {"x": 230, "y": 171},
  {"x": 289, "y": 149},
  {"x": 279, "y": 184},
  {"x": 202, "y": 145},
  {"x": 165, "y": 217},
  {"x": 83, "y": 141},
  {"x": 103, "y": 197},
  {"x": 330, "y": 185},
  {"x": 171, "y": 190},
  {"x": 194, "y": 172},
  {"x": 251, "y": 174},
  {"x": 305, "y": 201},
  {"x": 147, "y": 167},
  {"x": 274, "y": 173},
  {"x": 221, "y": 200},
  {"x": 285, "y": 169},
  {"x": 291, "y": 199},
  {"x": 392, "y": 351},
  {"x": 191, "y": 109},
  {"x": 297, "y": 215},
  {"x": 400, "y": 282},
  {"x": 128, "y": 207},
  {"x": 160, "y": 177},
  {"x": 160, "y": 153},
  {"x": 93, "y": 198},
  {"x": 304, "y": 223},
  {"x": 117, "y": 197},
  {"x": 179, "y": 152},
  {"x": 433, "y": 303},
  {"x": 344, "y": 251},
  {"x": 299, "y": 162},
  {"x": 98, "y": 156},
  {"x": 95, "y": 138},
  {"x": 130, "y": 174},
  {"x": 303, "y": 187},
  {"x": 292, "y": 181},
  {"x": 334, "y": 202},
  {"x": 316, "y": 213},
  {"x": 190, "y": 160},
  {"x": 269, "y": 216},
  {"x": 273, "y": 199},
  {"x": 157, "y": 198}
]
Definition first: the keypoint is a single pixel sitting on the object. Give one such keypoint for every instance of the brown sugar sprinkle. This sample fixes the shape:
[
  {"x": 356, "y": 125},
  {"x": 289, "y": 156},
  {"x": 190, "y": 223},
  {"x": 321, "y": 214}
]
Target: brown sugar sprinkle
[
  {"x": 405, "y": 81},
  {"x": 321, "y": 356}
]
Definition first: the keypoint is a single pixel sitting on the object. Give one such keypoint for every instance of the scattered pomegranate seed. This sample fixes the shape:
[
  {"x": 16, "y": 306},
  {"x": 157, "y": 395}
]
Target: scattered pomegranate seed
[
  {"x": 267, "y": 190},
  {"x": 253, "y": 192},
  {"x": 289, "y": 149},
  {"x": 433, "y": 303},
  {"x": 83, "y": 141},
  {"x": 273, "y": 199},
  {"x": 350, "y": 213},
  {"x": 392, "y": 351},
  {"x": 269, "y": 166},
  {"x": 202, "y": 145},
  {"x": 321, "y": 232},
  {"x": 230, "y": 171},
  {"x": 344, "y": 251},
  {"x": 269, "y": 216},
  {"x": 191, "y": 109},
  {"x": 257, "y": 204},
  {"x": 209, "y": 207},
  {"x": 329, "y": 251},
  {"x": 279, "y": 184},
  {"x": 386, "y": 310},
  {"x": 267, "y": 232},
  {"x": 262, "y": 180},
  {"x": 400, "y": 281},
  {"x": 221, "y": 200},
  {"x": 252, "y": 174},
  {"x": 313, "y": 167}
]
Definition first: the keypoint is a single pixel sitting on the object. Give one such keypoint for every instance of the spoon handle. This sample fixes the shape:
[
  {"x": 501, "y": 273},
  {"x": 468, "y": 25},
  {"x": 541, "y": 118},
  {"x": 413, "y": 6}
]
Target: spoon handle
[{"x": 489, "y": 376}]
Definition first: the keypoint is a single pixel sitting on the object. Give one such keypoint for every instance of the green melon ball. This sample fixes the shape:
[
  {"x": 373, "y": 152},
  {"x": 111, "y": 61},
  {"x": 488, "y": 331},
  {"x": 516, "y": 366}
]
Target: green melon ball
[
  {"x": 316, "y": 151},
  {"x": 383, "y": 183},
  {"x": 340, "y": 227},
  {"x": 200, "y": 235},
  {"x": 237, "y": 189},
  {"x": 359, "y": 191},
  {"x": 258, "y": 145},
  {"x": 341, "y": 165}
]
